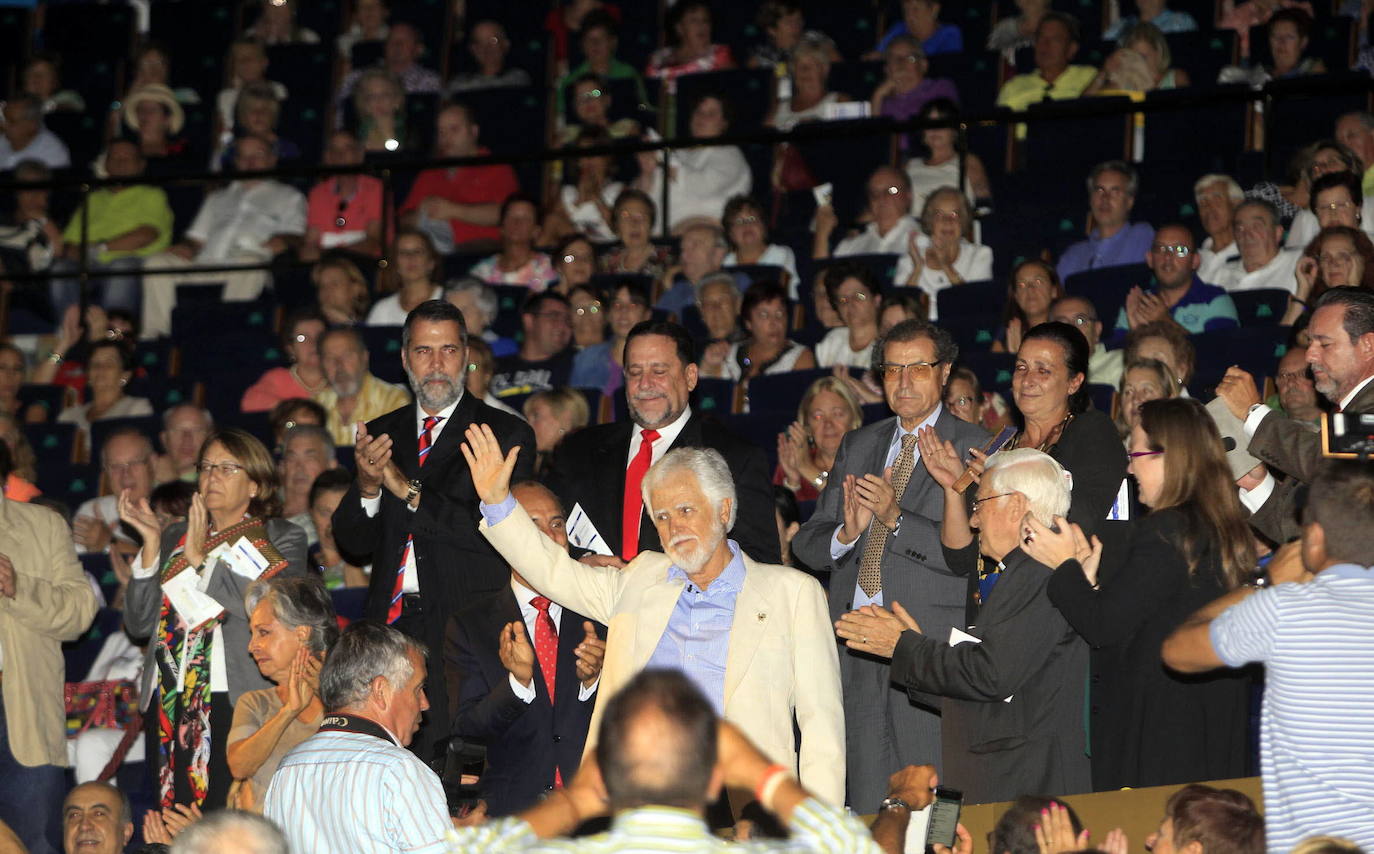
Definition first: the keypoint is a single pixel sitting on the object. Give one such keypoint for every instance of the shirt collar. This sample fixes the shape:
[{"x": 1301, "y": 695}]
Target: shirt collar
[
  {"x": 648, "y": 822},
  {"x": 669, "y": 431},
  {"x": 523, "y": 594},
  {"x": 1347, "y": 570},
  {"x": 1350, "y": 398},
  {"x": 730, "y": 580},
  {"x": 929, "y": 421},
  {"x": 444, "y": 414}
]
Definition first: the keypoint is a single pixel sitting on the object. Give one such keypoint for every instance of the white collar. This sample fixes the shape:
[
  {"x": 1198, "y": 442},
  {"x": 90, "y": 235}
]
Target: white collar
[
  {"x": 444, "y": 414},
  {"x": 1350, "y": 398}
]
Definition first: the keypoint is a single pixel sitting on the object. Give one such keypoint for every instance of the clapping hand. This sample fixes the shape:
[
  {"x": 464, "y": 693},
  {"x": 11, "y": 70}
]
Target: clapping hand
[
  {"x": 1054, "y": 834},
  {"x": 302, "y": 681},
  {"x": 1052, "y": 548},
  {"x": 590, "y": 654},
  {"x": 139, "y": 514},
  {"x": 877, "y": 495},
  {"x": 197, "y": 530},
  {"x": 875, "y": 630},
  {"x": 515, "y": 652},
  {"x": 372, "y": 456},
  {"x": 941, "y": 458},
  {"x": 490, "y": 472},
  {"x": 857, "y": 516}
]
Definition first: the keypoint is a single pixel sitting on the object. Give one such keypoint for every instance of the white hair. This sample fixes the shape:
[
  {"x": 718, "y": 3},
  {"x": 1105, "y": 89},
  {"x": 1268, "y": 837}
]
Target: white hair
[
  {"x": 231, "y": 830},
  {"x": 712, "y": 474},
  {"x": 1233, "y": 190},
  {"x": 1046, "y": 485}
]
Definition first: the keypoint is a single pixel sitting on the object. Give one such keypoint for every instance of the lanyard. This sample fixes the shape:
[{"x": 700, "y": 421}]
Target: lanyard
[{"x": 355, "y": 724}]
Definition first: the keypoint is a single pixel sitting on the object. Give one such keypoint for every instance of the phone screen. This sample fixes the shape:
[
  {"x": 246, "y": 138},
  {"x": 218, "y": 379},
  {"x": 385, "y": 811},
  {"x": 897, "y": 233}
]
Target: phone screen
[{"x": 944, "y": 817}]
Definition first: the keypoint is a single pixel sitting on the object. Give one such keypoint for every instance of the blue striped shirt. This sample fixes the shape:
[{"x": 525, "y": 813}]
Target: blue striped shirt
[
  {"x": 343, "y": 791},
  {"x": 1316, "y": 641}
]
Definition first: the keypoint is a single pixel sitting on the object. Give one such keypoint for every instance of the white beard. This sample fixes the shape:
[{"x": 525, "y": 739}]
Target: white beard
[{"x": 691, "y": 561}]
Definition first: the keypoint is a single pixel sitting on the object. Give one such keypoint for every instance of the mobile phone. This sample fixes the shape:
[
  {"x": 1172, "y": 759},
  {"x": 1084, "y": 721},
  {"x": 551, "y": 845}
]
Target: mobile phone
[
  {"x": 824, "y": 193},
  {"x": 944, "y": 817},
  {"x": 995, "y": 444}
]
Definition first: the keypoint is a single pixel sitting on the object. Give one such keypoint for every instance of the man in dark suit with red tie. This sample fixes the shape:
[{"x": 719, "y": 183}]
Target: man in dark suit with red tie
[
  {"x": 530, "y": 703},
  {"x": 601, "y": 468},
  {"x": 412, "y": 512}
]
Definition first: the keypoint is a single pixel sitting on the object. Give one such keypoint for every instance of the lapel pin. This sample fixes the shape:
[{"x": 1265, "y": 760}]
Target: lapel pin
[{"x": 762, "y": 616}]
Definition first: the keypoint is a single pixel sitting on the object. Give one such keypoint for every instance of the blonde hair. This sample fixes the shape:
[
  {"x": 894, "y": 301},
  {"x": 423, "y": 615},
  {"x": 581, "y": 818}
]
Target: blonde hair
[{"x": 563, "y": 401}]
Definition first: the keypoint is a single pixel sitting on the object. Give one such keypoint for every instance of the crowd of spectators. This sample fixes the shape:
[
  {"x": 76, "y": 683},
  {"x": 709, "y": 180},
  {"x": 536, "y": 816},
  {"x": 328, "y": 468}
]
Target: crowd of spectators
[{"x": 505, "y": 474}]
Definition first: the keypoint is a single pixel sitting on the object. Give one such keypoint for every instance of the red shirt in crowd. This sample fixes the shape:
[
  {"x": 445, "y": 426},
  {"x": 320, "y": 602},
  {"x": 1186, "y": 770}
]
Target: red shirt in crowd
[
  {"x": 465, "y": 185},
  {"x": 325, "y": 208}
]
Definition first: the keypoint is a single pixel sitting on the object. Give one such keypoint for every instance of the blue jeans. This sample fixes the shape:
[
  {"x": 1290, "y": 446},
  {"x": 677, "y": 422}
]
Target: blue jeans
[
  {"x": 121, "y": 290},
  {"x": 30, "y": 798}
]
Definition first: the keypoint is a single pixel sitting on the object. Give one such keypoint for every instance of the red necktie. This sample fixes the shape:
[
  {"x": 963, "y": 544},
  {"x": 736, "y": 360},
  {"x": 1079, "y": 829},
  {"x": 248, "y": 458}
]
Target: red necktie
[
  {"x": 546, "y": 650},
  {"x": 633, "y": 508},
  {"x": 393, "y": 613}
]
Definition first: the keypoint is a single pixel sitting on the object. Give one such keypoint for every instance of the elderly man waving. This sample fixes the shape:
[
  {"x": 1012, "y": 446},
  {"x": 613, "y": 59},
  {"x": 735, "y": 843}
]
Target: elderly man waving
[{"x": 754, "y": 637}]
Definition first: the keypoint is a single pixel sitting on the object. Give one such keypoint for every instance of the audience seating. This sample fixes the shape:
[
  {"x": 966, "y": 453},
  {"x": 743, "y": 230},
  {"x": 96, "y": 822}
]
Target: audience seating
[{"x": 1107, "y": 288}]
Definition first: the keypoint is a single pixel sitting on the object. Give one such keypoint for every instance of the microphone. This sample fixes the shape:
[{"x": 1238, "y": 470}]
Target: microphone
[{"x": 1228, "y": 443}]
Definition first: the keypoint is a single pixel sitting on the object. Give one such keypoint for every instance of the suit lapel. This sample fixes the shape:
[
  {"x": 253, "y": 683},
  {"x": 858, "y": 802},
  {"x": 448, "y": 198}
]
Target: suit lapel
[
  {"x": 656, "y": 607},
  {"x": 569, "y": 636},
  {"x": 753, "y": 612}
]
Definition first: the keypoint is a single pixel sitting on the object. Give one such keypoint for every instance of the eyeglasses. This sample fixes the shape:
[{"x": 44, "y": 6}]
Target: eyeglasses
[
  {"x": 917, "y": 370},
  {"x": 591, "y": 308},
  {"x": 1138, "y": 454},
  {"x": 1079, "y": 320},
  {"x": 979, "y": 501},
  {"x": 1178, "y": 250},
  {"x": 859, "y": 298},
  {"x": 226, "y": 470},
  {"x": 1335, "y": 257},
  {"x": 121, "y": 468},
  {"x": 1333, "y": 207},
  {"x": 745, "y": 220},
  {"x": 962, "y": 400}
]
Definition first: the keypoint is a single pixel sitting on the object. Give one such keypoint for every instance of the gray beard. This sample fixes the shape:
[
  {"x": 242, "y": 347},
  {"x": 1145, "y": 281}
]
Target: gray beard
[{"x": 420, "y": 386}]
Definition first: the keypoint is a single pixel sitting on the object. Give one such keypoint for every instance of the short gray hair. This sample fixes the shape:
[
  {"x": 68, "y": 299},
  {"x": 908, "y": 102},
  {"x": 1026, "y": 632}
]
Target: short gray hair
[
  {"x": 172, "y": 411},
  {"x": 231, "y": 830},
  {"x": 1046, "y": 485},
  {"x": 720, "y": 277},
  {"x": 1121, "y": 167},
  {"x": 1233, "y": 189},
  {"x": 363, "y": 652},
  {"x": 309, "y": 431},
  {"x": 298, "y": 601},
  {"x": 712, "y": 474},
  {"x": 487, "y": 302}
]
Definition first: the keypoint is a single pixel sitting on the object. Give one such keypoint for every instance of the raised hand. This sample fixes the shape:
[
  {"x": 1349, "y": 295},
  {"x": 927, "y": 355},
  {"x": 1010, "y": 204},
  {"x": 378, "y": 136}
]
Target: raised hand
[
  {"x": 877, "y": 495},
  {"x": 91, "y": 533},
  {"x": 941, "y": 458},
  {"x": 1116, "y": 842},
  {"x": 963, "y": 842},
  {"x": 1054, "y": 834},
  {"x": 302, "y": 681},
  {"x": 1237, "y": 388},
  {"x": 515, "y": 652},
  {"x": 1306, "y": 274},
  {"x": 371, "y": 455},
  {"x": 856, "y": 516},
  {"x": 788, "y": 456},
  {"x": 591, "y": 652},
  {"x": 490, "y": 471},
  {"x": 139, "y": 514},
  {"x": 197, "y": 530},
  {"x": 178, "y": 817}
]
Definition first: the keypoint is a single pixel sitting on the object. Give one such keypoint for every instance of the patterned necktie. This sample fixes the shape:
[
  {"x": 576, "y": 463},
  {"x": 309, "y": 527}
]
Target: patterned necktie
[
  {"x": 871, "y": 564},
  {"x": 632, "y": 509},
  {"x": 393, "y": 612},
  {"x": 546, "y": 650}
]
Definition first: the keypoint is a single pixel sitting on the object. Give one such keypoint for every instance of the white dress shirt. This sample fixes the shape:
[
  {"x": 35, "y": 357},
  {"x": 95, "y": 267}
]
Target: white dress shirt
[
  {"x": 525, "y": 596},
  {"x": 239, "y": 219},
  {"x": 1214, "y": 261},
  {"x": 666, "y": 437},
  {"x": 1280, "y": 272},
  {"x": 871, "y": 242}
]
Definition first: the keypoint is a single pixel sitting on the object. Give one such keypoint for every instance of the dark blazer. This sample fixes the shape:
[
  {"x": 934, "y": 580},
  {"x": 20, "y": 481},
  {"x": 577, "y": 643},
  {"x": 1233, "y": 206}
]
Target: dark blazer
[
  {"x": 995, "y": 750},
  {"x": 524, "y": 741},
  {"x": 1295, "y": 448},
  {"x": 454, "y": 563},
  {"x": 589, "y": 469}
]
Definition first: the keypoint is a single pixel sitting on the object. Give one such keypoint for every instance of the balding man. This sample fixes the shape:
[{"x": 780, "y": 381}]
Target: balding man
[
  {"x": 354, "y": 394},
  {"x": 1263, "y": 262},
  {"x": 889, "y": 203},
  {"x": 126, "y": 460},
  {"x": 96, "y": 819},
  {"x": 185, "y": 427},
  {"x": 522, "y": 673}
]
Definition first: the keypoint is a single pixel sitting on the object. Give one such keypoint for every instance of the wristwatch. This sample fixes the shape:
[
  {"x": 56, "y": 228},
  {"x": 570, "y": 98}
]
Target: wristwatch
[
  {"x": 413, "y": 489},
  {"x": 892, "y": 802}
]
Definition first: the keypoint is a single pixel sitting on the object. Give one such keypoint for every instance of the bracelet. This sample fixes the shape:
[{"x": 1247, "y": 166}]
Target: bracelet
[
  {"x": 768, "y": 783},
  {"x": 55, "y": 357},
  {"x": 1293, "y": 298},
  {"x": 791, "y": 486}
]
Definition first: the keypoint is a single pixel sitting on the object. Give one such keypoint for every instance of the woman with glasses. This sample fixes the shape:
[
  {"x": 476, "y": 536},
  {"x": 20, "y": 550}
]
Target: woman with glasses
[
  {"x": 588, "y": 316},
  {"x": 943, "y": 253},
  {"x": 414, "y": 260},
  {"x": 187, "y": 594},
  {"x": 1142, "y": 381},
  {"x": 1033, "y": 288},
  {"x": 765, "y": 313},
  {"x": 746, "y": 231},
  {"x": 806, "y": 451},
  {"x": 633, "y": 217},
  {"x": 303, "y": 377},
  {"x": 1155, "y": 727},
  {"x": 857, "y": 299},
  {"x": 1339, "y": 256},
  {"x": 966, "y": 400},
  {"x": 599, "y": 366}
]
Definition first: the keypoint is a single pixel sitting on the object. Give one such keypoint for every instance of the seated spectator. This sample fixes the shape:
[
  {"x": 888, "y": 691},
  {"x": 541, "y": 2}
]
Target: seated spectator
[
  {"x": 29, "y": 237},
  {"x": 1113, "y": 240},
  {"x": 634, "y": 215},
  {"x": 719, "y": 301},
  {"x": 1211, "y": 819},
  {"x": 906, "y": 89},
  {"x": 689, "y": 50},
  {"x": 122, "y": 224},
  {"x": 599, "y": 38},
  {"x": 343, "y": 211},
  {"x": 1289, "y": 32},
  {"x": 303, "y": 376},
  {"x": 1031, "y": 289},
  {"x": 588, "y": 316},
  {"x": 807, "y": 449},
  {"x": 1104, "y": 366},
  {"x": 13, "y": 370},
  {"x": 65, "y": 364},
  {"x": 247, "y": 65},
  {"x": 1216, "y": 197},
  {"x": 154, "y": 118},
  {"x": 481, "y": 368},
  {"x": 766, "y": 314},
  {"x": 1156, "y": 13},
  {"x": 1165, "y": 342},
  {"x": 592, "y": 102},
  {"x": 1339, "y": 256},
  {"x": 256, "y": 112},
  {"x": 340, "y": 290},
  {"x": 570, "y": 18},
  {"x": 518, "y": 263},
  {"x": 698, "y": 178},
  {"x": 354, "y": 394},
  {"x": 699, "y": 255},
  {"x": 921, "y": 21},
  {"x": 889, "y": 228},
  {"x": 221, "y": 233},
  {"x": 544, "y": 360},
  {"x": 1356, "y": 132},
  {"x": 23, "y": 136},
  {"x": 401, "y": 56},
  {"x": 461, "y": 205},
  {"x": 1056, "y": 44},
  {"x": 1334, "y": 198},
  {"x": 96, "y": 818},
  {"x": 276, "y": 24},
  {"x": 126, "y": 461},
  {"x": 746, "y": 231},
  {"x": 600, "y": 365},
  {"x": 414, "y": 264},
  {"x": 292, "y": 625},
  {"x": 857, "y": 299},
  {"x": 943, "y": 254},
  {"x": 783, "y": 24},
  {"x": 1296, "y": 391},
  {"x": 18, "y": 486},
  {"x": 1242, "y": 16},
  {"x": 967, "y": 401},
  {"x": 367, "y": 23},
  {"x": 109, "y": 366},
  {"x": 325, "y": 494},
  {"x": 41, "y": 77},
  {"x": 489, "y": 46},
  {"x": 306, "y": 452},
  {"x": 379, "y": 112},
  {"x": 944, "y": 160},
  {"x": 553, "y": 414},
  {"x": 1175, "y": 291},
  {"x": 1017, "y": 31},
  {"x": 809, "y": 97},
  {"x": 152, "y": 67},
  {"x": 1143, "y": 380},
  {"x": 1263, "y": 261},
  {"x": 185, "y": 427},
  {"x": 574, "y": 262},
  {"x": 584, "y": 204},
  {"x": 821, "y": 309},
  {"x": 1147, "y": 39},
  {"x": 479, "y": 305},
  {"x": 293, "y": 412}
]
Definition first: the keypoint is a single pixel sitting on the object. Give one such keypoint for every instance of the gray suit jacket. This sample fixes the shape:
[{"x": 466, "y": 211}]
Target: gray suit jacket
[
  {"x": 143, "y": 601},
  {"x": 914, "y": 569}
]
